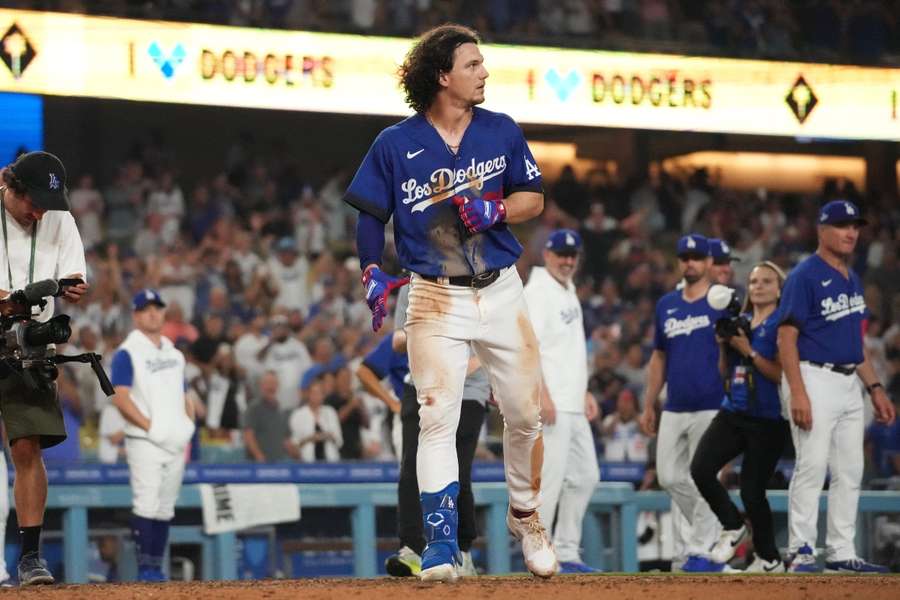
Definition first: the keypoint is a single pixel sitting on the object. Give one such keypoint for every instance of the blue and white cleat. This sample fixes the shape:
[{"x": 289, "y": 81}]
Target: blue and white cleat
[
  {"x": 854, "y": 565},
  {"x": 573, "y": 567},
  {"x": 701, "y": 564},
  {"x": 804, "y": 561}
]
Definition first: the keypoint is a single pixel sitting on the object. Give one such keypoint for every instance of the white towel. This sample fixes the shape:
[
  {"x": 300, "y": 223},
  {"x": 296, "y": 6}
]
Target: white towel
[{"x": 240, "y": 506}]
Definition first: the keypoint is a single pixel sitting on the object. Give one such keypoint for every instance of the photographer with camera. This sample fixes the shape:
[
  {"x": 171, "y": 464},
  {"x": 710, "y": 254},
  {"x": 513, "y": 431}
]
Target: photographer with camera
[
  {"x": 40, "y": 241},
  {"x": 749, "y": 421}
]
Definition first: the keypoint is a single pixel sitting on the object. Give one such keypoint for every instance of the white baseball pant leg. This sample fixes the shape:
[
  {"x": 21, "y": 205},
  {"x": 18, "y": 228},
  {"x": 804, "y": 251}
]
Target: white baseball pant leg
[
  {"x": 835, "y": 441},
  {"x": 4, "y": 514},
  {"x": 568, "y": 480},
  {"x": 679, "y": 436},
  {"x": 156, "y": 477},
  {"x": 443, "y": 322}
]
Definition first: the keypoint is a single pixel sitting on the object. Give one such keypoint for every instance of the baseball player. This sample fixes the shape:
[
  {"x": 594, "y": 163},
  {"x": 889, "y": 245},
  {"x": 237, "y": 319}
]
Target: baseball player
[
  {"x": 749, "y": 424},
  {"x": 453, "y": 177},
  {"x": 148, "y": 376},
  {"x": 570, "y": 471},
  {"x": 721, "y": 271},
  {"x": 820, "y": 342},
  {"x": 686, "y": 358}
]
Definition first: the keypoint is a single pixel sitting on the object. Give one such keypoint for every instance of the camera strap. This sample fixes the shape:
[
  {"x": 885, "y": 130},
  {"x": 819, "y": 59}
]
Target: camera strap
[{"x": 6, "y": 246}]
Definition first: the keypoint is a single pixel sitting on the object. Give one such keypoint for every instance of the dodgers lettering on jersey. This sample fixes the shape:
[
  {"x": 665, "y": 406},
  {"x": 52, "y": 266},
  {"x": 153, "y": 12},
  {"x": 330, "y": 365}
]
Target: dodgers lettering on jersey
[
  {"x": 685, "y": 331},
  {"x": 827, "y": 309},
  {"x": 764, "y": 401},
  {"x": 410, "y": 174}
]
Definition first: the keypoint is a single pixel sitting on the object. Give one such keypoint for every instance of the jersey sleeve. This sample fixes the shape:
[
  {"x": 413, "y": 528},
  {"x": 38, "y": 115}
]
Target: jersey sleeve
[
  {"x": 522, "y": 174},
  {"x": 370, "y": 190},
  {"x": 765, "y": 339},
  {"x": 122, "y": 372},
  {"x": 796, "y": 299},
  {"x": 379, "y": 359},
  {"x": 659, "y": 336}
]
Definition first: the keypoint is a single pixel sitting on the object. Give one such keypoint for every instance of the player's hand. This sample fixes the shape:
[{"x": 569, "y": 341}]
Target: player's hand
[
  {"x": 378, "y": 286},
  {"x": 740, "y": 343},
  {"x": 885, "y": 412},
  {"x": 648, "y": 421},
  {"x": 479, "y": 215},
  {"x": 801, "y": 411},
  {"x": 591, "y": 410}
]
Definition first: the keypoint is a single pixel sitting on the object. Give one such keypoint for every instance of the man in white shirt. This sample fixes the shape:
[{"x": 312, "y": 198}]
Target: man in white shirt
[
  {"x": 40, "y": 241},
  {"x": 288, "y": 358},
  {"x": 570, "y": 471}
]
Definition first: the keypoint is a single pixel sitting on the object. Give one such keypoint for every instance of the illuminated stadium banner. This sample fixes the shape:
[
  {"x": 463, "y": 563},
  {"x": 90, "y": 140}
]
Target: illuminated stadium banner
[{"x": 71, "y": 55}]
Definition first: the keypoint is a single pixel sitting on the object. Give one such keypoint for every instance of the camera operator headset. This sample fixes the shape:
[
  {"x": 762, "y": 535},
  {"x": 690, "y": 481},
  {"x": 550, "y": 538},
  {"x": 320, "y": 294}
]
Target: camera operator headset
[
  {"x": 749, "y": 421},
  {"x": 39, "y": 241}
]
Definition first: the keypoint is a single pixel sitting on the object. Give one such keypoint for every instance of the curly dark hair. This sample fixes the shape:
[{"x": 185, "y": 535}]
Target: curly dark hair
[
  {"x": 428, "y": 58},
  {"x": 12, "y": 182}
]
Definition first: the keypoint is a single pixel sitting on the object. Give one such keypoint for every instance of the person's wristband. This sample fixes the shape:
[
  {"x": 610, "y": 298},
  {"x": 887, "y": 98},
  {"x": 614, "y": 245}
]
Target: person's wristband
[
  {"x": 871, "y": 388},
  {"x": 752, "y": 356},
  {"x": 501, "y": 211}
]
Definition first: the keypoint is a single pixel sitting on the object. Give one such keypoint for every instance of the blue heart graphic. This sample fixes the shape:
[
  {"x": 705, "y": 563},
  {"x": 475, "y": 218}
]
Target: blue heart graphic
[
  {"x": 563, "y": 86},
  {"x": 167, "y": 64}
]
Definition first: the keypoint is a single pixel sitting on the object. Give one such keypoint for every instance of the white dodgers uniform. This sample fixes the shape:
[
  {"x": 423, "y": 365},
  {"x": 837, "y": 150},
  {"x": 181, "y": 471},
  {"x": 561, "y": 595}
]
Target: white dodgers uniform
[
  {"x": 828, "y": 310},
  {"x": 570, "y": 472},
  {"x": 156, "y": 458}
]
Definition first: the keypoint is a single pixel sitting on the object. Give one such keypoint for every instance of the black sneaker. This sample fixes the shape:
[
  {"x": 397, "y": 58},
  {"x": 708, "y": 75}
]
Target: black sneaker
[{"x": 33, "y": 571}]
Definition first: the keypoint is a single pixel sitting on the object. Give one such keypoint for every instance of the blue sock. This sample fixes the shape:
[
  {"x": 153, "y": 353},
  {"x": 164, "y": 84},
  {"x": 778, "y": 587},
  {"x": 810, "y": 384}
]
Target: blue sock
[
  {"x": 142, "y": 533},
  {"x": 440, "y": 519},
  {"x": 160, "y": 539}
]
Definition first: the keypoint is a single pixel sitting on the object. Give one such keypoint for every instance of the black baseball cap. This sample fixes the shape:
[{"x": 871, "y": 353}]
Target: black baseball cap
[{"x": 44, "y": 177}]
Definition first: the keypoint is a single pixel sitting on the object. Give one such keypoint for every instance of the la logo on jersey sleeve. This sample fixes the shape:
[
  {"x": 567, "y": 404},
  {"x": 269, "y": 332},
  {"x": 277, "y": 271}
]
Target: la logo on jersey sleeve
[{"x": 531, "y": 170}]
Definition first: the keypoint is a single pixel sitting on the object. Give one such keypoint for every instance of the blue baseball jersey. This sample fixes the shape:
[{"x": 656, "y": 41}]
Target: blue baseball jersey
[
  {"x": 384, "y": 362},
  {"x": 827, "y": 309},
  {"x": 410, "y": 174},
  {"x": 885, "y": 441},
  {"x": 764, "y": 401},
  {"x": 685, "y": 331}
]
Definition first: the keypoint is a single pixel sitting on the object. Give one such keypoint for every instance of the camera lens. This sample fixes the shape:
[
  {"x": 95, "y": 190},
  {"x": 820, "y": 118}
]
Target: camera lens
[{"x": 54, "y": 331}]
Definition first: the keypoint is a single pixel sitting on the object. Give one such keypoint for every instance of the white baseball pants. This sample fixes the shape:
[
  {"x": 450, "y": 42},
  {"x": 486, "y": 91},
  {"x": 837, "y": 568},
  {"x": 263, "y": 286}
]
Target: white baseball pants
[
  {"x": 155, "y": 476},
  {"x": 568, "y": 480},
  {"x": 679, "y": 435},
  {"x": 835, "y": 442},
  {"x": 443, "y": 323}
]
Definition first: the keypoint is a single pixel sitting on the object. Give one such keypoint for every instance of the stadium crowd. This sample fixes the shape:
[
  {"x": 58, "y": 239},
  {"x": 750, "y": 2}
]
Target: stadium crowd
[
  {"x": 860, "y": 31},
  {"x": 264, "y": 297}
]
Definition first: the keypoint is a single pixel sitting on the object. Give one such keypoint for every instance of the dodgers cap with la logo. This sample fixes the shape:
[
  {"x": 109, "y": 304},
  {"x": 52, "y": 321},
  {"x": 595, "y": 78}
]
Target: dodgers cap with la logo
[
  {"x": 145, "y": 298},
  {"x": 840, "y": 211},
  {"x": 564, "y": 241},
  {"x": 693, "y": 244},
  {"x": 44, "y": 176}
]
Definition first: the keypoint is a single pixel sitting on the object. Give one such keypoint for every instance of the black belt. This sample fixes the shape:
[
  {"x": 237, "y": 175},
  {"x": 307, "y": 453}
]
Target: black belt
[
  {"x": 843, "y": 370},
  {"x": 474, "y": 281}
]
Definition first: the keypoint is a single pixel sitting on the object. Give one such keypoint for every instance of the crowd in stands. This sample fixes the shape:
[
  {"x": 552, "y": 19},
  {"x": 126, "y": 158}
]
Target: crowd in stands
[
  {"x": 263, "y": 293},
  {"x": 856, "y": 31}
]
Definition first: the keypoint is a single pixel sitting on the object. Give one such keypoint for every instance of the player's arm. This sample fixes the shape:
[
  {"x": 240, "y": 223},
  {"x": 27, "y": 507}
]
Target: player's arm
[
  {"x": 884, "y": 408},
  {"x": 656, "y": 371},
  {"x": 122, "y": 378},
  {"x": 372, "y": 384},
  {"x": 252, "y": 446},
  {"x": 801, "y": 410}
]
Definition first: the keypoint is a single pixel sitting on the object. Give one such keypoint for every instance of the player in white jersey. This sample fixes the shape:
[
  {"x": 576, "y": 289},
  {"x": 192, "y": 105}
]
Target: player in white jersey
[
  {"x": 570, "y": 472},
  {"x": 148, "y": 376},
  {"x": 820, "y": 341}
]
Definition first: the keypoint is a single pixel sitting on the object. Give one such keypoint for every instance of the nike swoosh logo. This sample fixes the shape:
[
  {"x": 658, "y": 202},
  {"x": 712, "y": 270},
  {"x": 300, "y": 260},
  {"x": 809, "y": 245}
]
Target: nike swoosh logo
[
  {"x": 768, "y": 570},
  {"x": 415, "y": 154},
  {"x": 671, "y": 310},
  {"x": 826, "y": 283}
]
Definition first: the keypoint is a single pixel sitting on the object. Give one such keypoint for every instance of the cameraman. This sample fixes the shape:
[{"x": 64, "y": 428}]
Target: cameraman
[
  {"x": 40, "y": 241},
  {"x": 749, "y": 422}
]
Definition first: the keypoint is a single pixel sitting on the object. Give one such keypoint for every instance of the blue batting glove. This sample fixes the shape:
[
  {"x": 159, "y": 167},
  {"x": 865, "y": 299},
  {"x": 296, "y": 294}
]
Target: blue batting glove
[
  {"x": 378, "y": 286},
  {"x": 479, "y": 215}
]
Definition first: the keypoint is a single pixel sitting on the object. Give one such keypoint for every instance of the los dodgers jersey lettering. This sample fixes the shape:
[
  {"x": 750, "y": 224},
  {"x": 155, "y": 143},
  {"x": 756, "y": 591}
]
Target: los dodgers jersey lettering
[
  {"x": 410, "y": 174},
  {"x": 827, "y": 309},
  {"x": 685, "y": 331}
]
